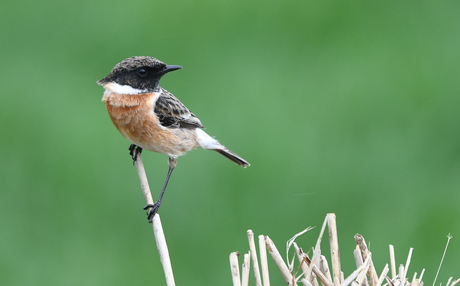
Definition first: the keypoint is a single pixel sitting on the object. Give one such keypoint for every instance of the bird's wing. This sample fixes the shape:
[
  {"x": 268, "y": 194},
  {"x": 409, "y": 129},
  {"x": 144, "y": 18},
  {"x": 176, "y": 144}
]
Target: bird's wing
[{"x": 173, "y": 114}]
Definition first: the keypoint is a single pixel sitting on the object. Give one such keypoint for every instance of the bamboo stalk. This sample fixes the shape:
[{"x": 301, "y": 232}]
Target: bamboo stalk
[{"x": 156, "y": 224}]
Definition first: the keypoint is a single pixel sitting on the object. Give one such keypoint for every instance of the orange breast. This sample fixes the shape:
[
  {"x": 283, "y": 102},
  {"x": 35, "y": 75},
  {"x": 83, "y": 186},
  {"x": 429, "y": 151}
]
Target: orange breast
[{"x": 133, "y": 116}]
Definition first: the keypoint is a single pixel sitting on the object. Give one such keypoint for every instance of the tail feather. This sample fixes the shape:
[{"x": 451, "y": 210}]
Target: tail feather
[
  {"x": 232, "y": 156},
  {"x": 207, "y": 142}
]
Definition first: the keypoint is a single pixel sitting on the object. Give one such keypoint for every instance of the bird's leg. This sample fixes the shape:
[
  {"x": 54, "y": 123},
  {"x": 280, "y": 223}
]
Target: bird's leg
[
  {"x": 154, "y": 208},
  {"x": 134, "y": 150}
]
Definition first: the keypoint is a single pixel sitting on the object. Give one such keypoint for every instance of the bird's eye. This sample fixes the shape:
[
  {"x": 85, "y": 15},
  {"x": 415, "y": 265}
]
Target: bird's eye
[{"x": 142, "y": 72}]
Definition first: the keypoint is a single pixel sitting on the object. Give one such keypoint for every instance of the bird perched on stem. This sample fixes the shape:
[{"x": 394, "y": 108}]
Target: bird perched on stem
[{"x": 152, "y": 118}]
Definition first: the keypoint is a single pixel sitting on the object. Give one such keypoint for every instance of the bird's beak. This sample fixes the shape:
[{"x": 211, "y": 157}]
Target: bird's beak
[{"x": 168, "y": 69}]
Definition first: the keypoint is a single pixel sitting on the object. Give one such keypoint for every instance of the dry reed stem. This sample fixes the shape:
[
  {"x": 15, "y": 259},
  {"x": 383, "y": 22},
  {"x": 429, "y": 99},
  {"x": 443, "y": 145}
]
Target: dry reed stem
[
  {"x": 402, "y": 278},
  {"x": 317, "y": 267},
  {"x": 303, "y": 259},
  {"x": 366, "y": 266},
  {"x": 246, "y": 269},
  {"x": 279, "y": 261},
  {"x": 255, "y": 263},
  {"x": 359, "y": 261},
  {"x": 305, "y": 282},
  {"x": 389, "y": 281},
  {"x": 414, "y": 278},
  {"x": 316, "y": 252},
  {"x": 321, "y": 277},
  {"x": 315, "y": 281},
  {"x": 455, "y": 282},
  {"x": 392, "y": 262},
  {"x": 352, "y": 276},
  {"x": 305, "y": 262},
  {"x": 264, "y": 261},
  {"x": 235, "y": 269},
  {"x": 323, "y": 266},
  {"x": 449, "y": 237},
  {"x": 383, "y": 274},
  {"x": 365, "y": 253},
  {"x": 421, "y": 275},
  {"x": 334, "y": 246},
  {"x": 156, "y": 224},
  {"x": 409, "y": 256}
]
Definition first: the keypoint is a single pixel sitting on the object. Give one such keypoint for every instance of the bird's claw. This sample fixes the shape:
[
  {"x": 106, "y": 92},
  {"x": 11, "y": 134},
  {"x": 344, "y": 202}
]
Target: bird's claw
[
  {"x": 153, "y": 209},
  {"x": 134, "y": 150}
]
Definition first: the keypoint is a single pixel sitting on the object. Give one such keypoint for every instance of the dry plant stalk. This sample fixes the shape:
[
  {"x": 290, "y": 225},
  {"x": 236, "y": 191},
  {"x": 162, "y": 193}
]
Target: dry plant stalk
[
  {"x": 234, "y": 268},
  {"x": 245, "y": 272},
  {"x": 334, "y": 242},
  {"x": 279, "y": 261},
  {"x": 263, "y": 261},
  {"x": 156, "y": 224},
  {"x": 311, "y": 271},
  {"x": 255, "y": 263},
  {"x": 392, "y": 262},
  {"x": 365, "y": 253}
]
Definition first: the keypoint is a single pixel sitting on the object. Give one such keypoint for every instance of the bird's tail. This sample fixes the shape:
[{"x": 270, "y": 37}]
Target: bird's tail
[
  {"x": 207, "y": 142},
  {"x": 232, "y": 156}
]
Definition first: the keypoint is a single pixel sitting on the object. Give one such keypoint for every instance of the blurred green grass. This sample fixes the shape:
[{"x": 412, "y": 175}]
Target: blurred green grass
[{"x": 345, "y": 107}]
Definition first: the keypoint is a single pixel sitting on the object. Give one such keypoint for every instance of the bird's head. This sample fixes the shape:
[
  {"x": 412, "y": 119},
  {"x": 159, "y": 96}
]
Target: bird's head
[{"x": 136, "y": 75}]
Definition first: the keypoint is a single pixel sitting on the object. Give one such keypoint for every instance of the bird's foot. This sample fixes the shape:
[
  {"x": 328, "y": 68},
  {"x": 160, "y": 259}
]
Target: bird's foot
[
  {"x": 153, "y": 209},
  {"x": 134, "y": 150}
]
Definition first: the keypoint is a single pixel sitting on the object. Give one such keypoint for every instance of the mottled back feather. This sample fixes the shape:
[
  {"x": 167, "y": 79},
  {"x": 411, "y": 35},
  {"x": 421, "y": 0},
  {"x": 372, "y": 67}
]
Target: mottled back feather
[{"x": 173, "y": 114}]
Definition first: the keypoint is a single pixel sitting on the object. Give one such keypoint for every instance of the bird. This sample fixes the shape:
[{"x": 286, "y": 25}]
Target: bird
[{"x": 152, "y": 118}]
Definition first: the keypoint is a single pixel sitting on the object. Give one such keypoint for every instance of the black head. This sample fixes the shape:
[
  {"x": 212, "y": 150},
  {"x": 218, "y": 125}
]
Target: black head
[{"x": 139, "y": 73}]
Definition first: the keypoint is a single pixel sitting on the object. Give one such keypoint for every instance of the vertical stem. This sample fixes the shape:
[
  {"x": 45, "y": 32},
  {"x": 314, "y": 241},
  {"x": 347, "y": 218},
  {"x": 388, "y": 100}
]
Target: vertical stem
[
  {"x": 156, "y": 224},
  {"x": 333, "y": 241}
]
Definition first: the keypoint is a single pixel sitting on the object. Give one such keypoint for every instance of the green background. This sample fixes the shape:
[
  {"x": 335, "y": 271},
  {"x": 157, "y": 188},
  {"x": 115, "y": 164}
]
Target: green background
[{"x": 340, "y": 106}]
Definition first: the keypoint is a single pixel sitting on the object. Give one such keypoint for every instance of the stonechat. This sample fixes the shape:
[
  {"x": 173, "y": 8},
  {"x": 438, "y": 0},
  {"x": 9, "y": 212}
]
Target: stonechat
[{"x": 152, "y": 118}]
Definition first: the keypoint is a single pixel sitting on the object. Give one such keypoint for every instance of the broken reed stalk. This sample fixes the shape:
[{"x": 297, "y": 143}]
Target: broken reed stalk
[
  {"x": 234, "y": 268},
  {"x": 392, "y": 262},
  {"x": 365, "y": 252},
  {"x": 309, "y": 270},
  {"x": 334, "y": 243},
  {"x": 263, "y": 261},
  {"x": 245, "y": 272},
  {"x": 279, "y": 261},
  {"x": 255, "y": 263},
  {"x": 156, "y": 224}
]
